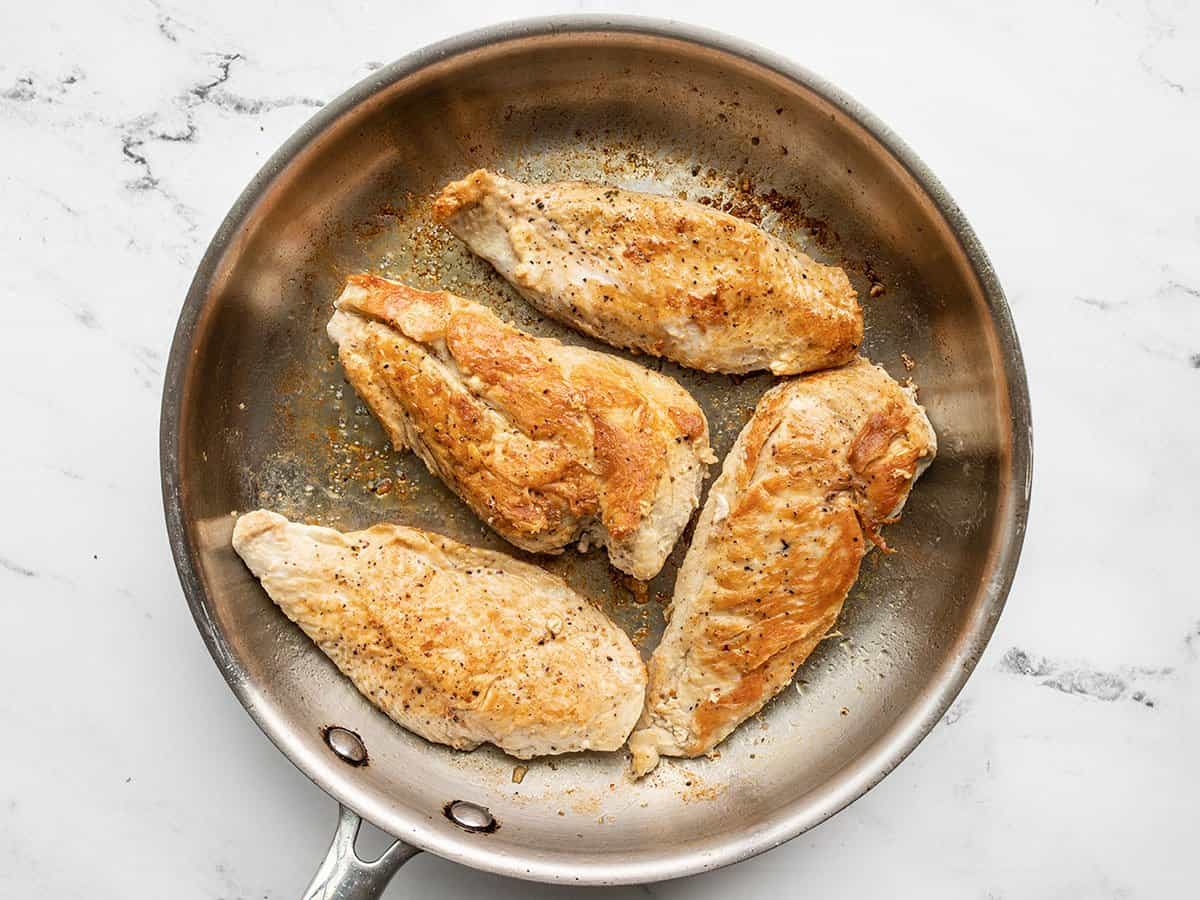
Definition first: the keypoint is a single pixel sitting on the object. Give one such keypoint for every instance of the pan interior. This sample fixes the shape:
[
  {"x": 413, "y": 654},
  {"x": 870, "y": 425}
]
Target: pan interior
[{"x": 266, "y": 419}]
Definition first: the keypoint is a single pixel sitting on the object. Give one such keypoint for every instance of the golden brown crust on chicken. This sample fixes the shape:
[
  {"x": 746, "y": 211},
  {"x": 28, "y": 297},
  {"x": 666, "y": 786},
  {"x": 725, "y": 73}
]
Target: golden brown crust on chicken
[
  {"x": 461, "y": 645},
  {"x": 549, "y": 444},
  {"x": 825, "y": 461},
  {"x": 660, "y": 275}
]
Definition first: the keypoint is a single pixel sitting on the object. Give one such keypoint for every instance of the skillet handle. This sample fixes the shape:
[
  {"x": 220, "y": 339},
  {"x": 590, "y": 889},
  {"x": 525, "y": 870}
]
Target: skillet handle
[{"x": 344, "y": 876}]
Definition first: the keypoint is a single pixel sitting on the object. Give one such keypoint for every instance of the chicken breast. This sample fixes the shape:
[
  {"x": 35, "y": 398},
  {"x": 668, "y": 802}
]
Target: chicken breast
[
  {"x": 823, "y": 463},
  {"x": 460, "y": 645},
  {"x": 659, "y": 275},
  {"x": 549, "y": 444}
]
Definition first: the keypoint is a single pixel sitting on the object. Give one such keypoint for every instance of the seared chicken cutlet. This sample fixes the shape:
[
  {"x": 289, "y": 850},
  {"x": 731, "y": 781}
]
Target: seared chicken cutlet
[
  {"x": 659, "y": 275},
  {"x": 824, "y": 462},
  {"x": 460, "y": 645},
  {"x": 549, "y": 444}
]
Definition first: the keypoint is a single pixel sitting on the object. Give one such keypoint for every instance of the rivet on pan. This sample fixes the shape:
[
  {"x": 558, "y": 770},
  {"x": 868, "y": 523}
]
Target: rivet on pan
[
  {"x": 470, "y": 816},
  {"x": 346, "y": 744}
]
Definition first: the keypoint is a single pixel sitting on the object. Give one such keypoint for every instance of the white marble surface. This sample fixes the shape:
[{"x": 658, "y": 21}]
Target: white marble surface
[{"x": 1070, "y": 134}]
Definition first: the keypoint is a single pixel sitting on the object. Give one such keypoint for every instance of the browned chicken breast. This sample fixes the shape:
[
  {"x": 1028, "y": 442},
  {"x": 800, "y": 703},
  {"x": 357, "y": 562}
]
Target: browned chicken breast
[
  {"x": 457, "y": 644},
  {"x": 660, "y": 275},
  {"x": 549, "y": 444},
  {"x": 825, "y": 461}
]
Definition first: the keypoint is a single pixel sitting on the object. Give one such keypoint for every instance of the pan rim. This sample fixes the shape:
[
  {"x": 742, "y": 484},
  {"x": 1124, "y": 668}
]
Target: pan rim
[{"x": 850, "y": 782}]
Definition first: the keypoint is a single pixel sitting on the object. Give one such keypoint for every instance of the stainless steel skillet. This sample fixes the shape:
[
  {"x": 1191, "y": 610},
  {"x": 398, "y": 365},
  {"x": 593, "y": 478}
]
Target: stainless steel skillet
[{"x": 255, "y": 413}]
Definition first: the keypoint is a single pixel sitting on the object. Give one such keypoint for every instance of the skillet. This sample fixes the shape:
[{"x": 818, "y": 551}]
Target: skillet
[{"x": 255, "y": 413}]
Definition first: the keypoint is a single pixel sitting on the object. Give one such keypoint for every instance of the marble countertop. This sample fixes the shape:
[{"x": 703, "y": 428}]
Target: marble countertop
[{"x": 1068, "y": 132}]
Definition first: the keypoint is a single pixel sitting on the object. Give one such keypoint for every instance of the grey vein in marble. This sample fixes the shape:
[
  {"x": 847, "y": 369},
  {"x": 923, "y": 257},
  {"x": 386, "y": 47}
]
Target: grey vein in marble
[
  {"x": 9, "y": 566},
  {"x": 1170, "y": 288},
  {"x": 956, "y": 711},
  {"x": 22, "y": 90},
  {"x": 1174, "y": 298},
  {"x": 1097, "y": 303},
  {"x": 62, "y": 204},
  {"x": 1161, "y": 30},
  {"x": 145, "y": 129},
  {"x": 1192, "y": 642},
  {"x": 167, "y": 24},
  {"x": 28, "y": 88},
  {"x": 208, "y": 93},
  {"x": 1081, "y": 680},
  {"x": 148, "y": 361}
]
